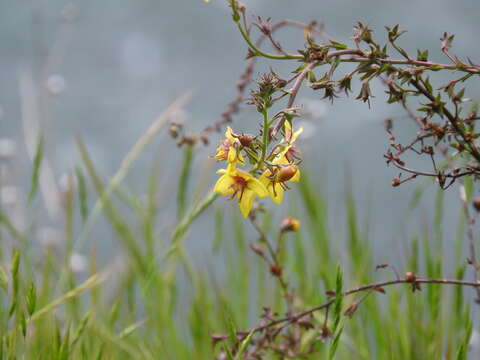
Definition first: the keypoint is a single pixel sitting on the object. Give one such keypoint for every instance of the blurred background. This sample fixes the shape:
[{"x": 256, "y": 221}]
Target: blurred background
[{"x": 105, "y": 70}]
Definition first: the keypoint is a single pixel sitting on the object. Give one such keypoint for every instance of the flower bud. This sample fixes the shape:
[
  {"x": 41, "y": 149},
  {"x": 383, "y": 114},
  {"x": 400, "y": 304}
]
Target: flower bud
[
  {"x": 289, "y": 224},
  {"x": 276, "y": 270},
  {"x": 410, "y": 276},
  {"x": 330, "y": 293},
  {"x": 286, "y": 173},
  {"x": 245, "y": 140},
  {"x": 476, "y": 203},
  {"x": 396, "y": 182},
  {"x": 325, "y": 333}
]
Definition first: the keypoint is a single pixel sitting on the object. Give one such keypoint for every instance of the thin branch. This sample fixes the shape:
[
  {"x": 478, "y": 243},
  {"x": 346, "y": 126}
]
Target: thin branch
[
  {"x": 275, "y": 261},
  {"x": 293, "y": 93},
  {"x": 429, "y": 65},
  {"x": 452, "y": 119},
  {"x": 294, "y": 318},
  {"x": 431, "y": 174},
  {"x": 471, "y": 239}
]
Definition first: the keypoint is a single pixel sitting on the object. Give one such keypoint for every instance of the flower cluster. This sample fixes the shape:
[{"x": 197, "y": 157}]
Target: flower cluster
[{"x": 269, "y": 172}]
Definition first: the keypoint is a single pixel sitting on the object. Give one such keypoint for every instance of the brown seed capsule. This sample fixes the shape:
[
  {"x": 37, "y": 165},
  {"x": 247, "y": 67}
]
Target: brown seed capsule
[
  {"x": 325, "y": 333},
  {"x": 476, "y": 203},
  {"x": 410, "y": 276},
  {"x": 276, "y": 270},
  {"x": 330, "y": 293},
  {"x": 289, "y": 224},
  {"x": 245, "y": 140},
  {"x": 396, "y": 182},
  {"x": 286, "y": 173}
]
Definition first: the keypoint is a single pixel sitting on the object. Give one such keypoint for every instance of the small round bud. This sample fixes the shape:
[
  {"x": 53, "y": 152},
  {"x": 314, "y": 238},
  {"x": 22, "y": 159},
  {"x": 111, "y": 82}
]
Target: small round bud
[
  {"x": 410, "y": 276},
  {"x": 476, "y": 203},
  {"x": 276, "y": 270},
  {"x": 330, "y": 293},
  {"x": 241, "y": 7},
  {"x": 325, "y": 333},
  {"x": 289, "y": 224},
  {"x": 396, "y": 182},
  {"x": 286, "y": 173}
]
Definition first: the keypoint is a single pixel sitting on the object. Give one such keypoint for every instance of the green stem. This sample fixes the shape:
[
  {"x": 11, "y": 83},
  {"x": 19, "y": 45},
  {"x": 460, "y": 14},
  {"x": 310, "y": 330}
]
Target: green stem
[
  {"x": 260, "y": 52},
  {"x": 183, "y": 181},
  {"x": 184, "y": 224},
  {"x": 266, "y": 125},
  {"x": 176, "y": 251}
]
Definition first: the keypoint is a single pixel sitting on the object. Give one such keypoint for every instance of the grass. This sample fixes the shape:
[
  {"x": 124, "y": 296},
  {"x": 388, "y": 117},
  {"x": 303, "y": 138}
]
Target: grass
[{"x": 162, "y": 305}]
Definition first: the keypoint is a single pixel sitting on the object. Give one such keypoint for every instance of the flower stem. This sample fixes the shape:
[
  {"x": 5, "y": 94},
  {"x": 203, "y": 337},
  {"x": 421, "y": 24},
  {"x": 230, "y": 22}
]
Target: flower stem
[
  {"x": 265, "y": 139},
  {"x": 260, "y": 52}
]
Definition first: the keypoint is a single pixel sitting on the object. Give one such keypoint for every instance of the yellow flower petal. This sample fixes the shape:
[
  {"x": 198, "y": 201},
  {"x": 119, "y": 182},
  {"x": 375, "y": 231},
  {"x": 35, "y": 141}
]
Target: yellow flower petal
[
  {"x": 287, "y": 126},
  {"x": 264, "y": 178},
  {"x": 234, "y": 156},
  {"x": 231, "y": 169},
  {"x": 295, "y": 135},
  {"x": 296, "y": 177},
  {"x": 246, "y": 202},
  {"x": 275, "y": 192},
  {"x": 224, "y": 185},
  {"x": 229, "y": 135},
  {"x": 289, "y": 137},
  {"x": 281, "y": 159},
  {"x": 257, "y": 186},
  {"x": 277, "y": 195}
]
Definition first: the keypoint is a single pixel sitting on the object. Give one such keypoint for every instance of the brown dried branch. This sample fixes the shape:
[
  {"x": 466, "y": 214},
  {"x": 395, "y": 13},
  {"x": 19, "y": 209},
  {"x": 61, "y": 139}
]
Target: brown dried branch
[
  {"x": 410, "y": 279},
  {"x": 470, "y": 220}
]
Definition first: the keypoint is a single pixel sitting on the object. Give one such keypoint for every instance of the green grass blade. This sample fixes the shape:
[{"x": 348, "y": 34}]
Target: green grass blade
[{"x": 37, "y": 163}]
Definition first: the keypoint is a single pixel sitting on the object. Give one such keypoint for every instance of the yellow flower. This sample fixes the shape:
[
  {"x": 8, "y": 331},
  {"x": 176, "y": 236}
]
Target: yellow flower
[
  {"x": 288, "y": 150},
  {"x": 228, "y": 149},
  {"x": 289, "y": 224},
  {"x": 236, "y": 182},
  {"x": 274, "y": 180},
  {"x": 290, "y": 136}
]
